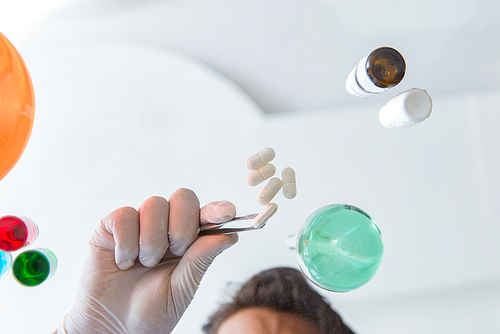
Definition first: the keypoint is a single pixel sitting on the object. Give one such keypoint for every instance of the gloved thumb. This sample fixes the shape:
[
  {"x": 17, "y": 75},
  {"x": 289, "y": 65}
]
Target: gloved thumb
[{"x": 194, "y": 263}]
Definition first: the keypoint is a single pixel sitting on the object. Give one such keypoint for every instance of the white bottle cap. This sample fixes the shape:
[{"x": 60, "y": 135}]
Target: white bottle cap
[{"x": 406, "y": 109}]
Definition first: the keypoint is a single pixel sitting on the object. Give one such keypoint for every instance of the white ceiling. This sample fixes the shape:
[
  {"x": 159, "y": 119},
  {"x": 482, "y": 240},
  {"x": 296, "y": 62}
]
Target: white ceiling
[{"x": 293, "y": 55}]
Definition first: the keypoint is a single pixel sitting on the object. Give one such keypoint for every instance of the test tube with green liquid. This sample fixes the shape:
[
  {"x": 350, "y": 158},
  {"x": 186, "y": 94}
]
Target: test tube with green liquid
[{"x": 35, "y": 266}]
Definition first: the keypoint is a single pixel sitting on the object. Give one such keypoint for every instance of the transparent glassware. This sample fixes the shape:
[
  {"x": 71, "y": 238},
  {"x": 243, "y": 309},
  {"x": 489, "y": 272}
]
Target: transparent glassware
[
  {"x": 16, "y": 233},
  {"x": 33, "y": 267},
  {"x": 17, "y": 106},
  {"x": 339, "y": 248},
  {"x": 5, "y": 263}
]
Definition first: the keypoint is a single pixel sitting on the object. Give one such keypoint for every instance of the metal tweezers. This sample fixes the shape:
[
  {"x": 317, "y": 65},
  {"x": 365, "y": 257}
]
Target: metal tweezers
[{"x": 215, "y": 228}]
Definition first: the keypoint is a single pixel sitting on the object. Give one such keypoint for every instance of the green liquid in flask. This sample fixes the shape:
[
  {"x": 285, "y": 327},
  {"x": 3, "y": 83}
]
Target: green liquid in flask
[
  {"x": 339, "y": 248},
  {"x": 34, "y": 267}
]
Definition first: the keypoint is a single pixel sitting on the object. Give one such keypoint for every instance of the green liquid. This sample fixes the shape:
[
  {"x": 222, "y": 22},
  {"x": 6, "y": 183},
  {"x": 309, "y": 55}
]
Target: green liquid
[
  {"x": 31, "y": 268},
  {"x": 340, "y": 248}
]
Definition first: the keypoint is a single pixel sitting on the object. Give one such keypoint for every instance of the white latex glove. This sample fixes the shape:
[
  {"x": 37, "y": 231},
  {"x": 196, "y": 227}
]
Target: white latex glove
[{"x": 143, "y": 267}]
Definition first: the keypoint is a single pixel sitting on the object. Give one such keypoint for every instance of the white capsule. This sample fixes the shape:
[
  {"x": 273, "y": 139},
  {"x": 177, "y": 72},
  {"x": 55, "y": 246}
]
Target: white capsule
[
  {"x": 260, "y": 175},
  {"x": 289, "y": 183},
  {"x": 267, "y": 194},
  {"x": 264, "y": 215},
  {"x": 260, "y": 159}
]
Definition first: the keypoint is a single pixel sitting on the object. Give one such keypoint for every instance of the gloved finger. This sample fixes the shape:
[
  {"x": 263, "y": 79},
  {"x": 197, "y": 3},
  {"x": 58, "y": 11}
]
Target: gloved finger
[
  {"x": 217, "y": 212},
  {"x": 187, "y": 275},
  {"x": 153, "y": 238},
  {"x": 123, "y": 225},
  {"x": 184, "y": 220}
]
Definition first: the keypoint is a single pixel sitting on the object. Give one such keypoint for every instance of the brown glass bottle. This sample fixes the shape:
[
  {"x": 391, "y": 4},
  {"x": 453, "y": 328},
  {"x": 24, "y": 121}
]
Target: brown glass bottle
[
  {"x": 386, "y": 67},
  {"x": 382, "y": 69}
]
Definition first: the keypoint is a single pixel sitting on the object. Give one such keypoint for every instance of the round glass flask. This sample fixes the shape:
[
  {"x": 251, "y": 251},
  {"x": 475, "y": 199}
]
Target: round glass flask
[
  {"x": 17, "y": 106},
  {"x": 339, "y": 248}
]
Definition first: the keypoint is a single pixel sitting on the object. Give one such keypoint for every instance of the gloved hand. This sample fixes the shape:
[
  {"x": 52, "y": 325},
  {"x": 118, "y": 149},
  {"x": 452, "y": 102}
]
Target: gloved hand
[{"x": 143, "y": 267}]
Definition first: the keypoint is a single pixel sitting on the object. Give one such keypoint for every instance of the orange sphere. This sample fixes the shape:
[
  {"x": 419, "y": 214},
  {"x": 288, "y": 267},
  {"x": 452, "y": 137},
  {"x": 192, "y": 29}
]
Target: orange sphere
[{"x": 17, "y": 106}]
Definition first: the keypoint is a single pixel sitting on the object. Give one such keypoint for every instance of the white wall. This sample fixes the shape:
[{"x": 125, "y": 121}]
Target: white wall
[{"x": 17, "y": 18}]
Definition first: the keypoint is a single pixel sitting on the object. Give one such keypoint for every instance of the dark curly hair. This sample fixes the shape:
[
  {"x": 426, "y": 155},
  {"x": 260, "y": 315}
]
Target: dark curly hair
[{"x": 283, "y": 290}]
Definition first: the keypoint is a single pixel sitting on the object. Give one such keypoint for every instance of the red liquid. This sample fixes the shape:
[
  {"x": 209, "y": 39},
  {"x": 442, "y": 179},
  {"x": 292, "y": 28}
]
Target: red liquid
[{"x": 13, "y": 233}]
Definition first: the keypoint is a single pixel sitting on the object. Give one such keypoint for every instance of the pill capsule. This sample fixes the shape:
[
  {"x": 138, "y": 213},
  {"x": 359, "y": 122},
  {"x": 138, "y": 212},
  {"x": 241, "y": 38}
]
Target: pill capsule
[
  {"x": 264, "y": 215},
  {"x": 267, "y": 194},
  {"x": 260, "y": 175},
  {"x": 289, "y": 183},
  {"x": 260, "y": 159}
]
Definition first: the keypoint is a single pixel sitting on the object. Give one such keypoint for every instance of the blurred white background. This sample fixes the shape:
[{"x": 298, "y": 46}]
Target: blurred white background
[{"x": 138, "y": 98}]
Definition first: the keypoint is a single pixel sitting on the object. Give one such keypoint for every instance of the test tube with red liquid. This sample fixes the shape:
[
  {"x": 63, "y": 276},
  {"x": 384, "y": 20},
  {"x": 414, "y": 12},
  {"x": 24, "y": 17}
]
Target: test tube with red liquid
[{"x": 16, "y": 232}]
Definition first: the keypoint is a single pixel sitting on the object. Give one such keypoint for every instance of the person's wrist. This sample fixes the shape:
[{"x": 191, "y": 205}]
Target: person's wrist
[{"x": 61, "y": 329}]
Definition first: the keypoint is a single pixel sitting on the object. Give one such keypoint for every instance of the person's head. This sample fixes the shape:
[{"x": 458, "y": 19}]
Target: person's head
[{"x": 277, "y": 300}]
